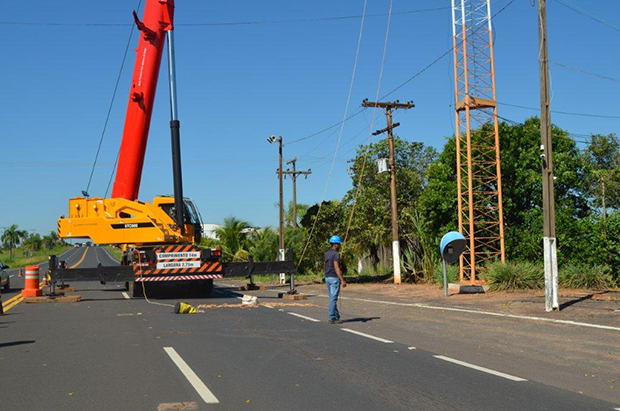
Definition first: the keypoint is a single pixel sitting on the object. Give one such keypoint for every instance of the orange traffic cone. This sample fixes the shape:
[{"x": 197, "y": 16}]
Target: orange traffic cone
[{"x": 31, "y": 287}]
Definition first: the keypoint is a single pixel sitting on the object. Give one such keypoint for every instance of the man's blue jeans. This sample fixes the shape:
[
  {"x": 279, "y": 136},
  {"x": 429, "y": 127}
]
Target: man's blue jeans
[{"x": 333, "y": 289}]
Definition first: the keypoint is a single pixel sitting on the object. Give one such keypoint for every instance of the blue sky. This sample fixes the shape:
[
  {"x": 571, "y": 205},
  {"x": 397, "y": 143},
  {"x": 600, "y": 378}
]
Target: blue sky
[{"x": 238, "y": 84}]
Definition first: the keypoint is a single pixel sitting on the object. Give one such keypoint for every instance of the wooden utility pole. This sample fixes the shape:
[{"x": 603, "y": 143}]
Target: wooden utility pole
[
  {"x": 546, "y": 147},
  {"x": 389, "y": 106},
  {"x": 294, "y": 174},
  {"x": 279, "y": 171}
]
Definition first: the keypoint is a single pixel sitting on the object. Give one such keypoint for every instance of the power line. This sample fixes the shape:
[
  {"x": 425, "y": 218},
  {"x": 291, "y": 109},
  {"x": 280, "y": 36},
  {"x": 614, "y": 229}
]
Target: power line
[
  {"x": 438, "y": 59},
  {"x": 107, "y": 118},
  {"x": 229, "y": 23},
  {"x": 568, "y": 113},
  {"x": 589, "y": 73},
  {"x": 587, "y": 14}
]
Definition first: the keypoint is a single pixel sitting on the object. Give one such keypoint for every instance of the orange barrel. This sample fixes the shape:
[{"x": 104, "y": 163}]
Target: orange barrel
[{"x": 31, "y": 287}]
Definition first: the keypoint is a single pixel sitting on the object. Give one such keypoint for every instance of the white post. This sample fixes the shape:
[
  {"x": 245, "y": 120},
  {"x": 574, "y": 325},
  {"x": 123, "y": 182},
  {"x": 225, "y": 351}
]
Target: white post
[
  {"x": 281, "y": 257},
  {"x": 552, "y": 302},
  {"x": 396, "y": 259}
]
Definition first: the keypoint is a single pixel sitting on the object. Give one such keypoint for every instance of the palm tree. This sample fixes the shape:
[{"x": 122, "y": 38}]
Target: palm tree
[
  {"x": 302, "y": 209},
  {"x": 234, "y": 239},
  {"x": 33, "y": 242},
  {"x": 11, "y": 238}
]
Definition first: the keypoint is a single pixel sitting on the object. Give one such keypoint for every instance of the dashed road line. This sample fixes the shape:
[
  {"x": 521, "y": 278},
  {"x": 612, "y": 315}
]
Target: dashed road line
[
  {"x": 483, "y": 369},
  {"x": 269, "y": 306},
  {"x": 305, "y": 318},
  {"x": 191, "y": 376},
  {"x": 372, "y": 337},
  {"x": 126, "y": 295},
  {"x": 490, "y": 313},
  {"x": 411, "y": 348}
]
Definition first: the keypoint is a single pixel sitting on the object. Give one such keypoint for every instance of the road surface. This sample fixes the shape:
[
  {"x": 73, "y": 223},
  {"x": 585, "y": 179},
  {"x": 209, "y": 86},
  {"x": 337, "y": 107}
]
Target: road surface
[{"x": 110, "y": 352}]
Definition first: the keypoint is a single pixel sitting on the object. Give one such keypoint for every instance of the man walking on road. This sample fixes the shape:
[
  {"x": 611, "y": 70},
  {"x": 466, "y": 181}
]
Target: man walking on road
[{"x": 333, "y": 278}]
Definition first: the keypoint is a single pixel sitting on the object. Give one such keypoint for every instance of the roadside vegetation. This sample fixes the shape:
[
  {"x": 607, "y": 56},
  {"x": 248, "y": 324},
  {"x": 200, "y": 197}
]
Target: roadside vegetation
[
  {"x": 19, "y": 248},
  {"x": 587, "y": 216}
]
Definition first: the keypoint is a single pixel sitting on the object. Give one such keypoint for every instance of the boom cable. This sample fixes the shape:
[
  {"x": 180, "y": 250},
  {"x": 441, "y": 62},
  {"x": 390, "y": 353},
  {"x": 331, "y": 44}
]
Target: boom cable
[
  {"x": 107, "y": 118},
  {"x": 344, "y": 117}
]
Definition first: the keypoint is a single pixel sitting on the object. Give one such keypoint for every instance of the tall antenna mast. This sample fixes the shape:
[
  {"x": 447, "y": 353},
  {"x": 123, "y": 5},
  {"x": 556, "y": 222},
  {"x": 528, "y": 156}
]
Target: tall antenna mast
[{"x": 479, "y": 184}]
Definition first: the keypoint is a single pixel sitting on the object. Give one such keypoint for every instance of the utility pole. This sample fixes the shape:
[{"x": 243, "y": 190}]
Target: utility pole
[
  {"x": 389, "y": 106},
  {"x": 546, "y": 147},
  {"x": 294, "y": 174},
  {"x": 271, "y": 140}
]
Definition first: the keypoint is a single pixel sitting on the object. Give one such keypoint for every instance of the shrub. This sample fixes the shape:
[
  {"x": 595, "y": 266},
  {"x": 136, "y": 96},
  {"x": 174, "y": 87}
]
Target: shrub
[
  {"x": 586, "y": 276},
  {"x": 520, "y": 275},
  {"x": 453, "y": 274}
]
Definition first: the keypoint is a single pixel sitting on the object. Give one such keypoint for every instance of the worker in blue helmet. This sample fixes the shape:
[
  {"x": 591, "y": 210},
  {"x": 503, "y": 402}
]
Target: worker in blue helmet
[{"x": 333, "y": 277}]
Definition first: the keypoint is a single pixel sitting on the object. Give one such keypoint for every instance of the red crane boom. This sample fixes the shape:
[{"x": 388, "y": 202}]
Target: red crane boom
[{"x": 158, "y": 19}]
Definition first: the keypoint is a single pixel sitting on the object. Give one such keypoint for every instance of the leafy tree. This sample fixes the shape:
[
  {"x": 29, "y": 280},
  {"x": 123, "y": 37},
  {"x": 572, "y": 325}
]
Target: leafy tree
[
  {"x": 602, "y": 158},
  {"x": 33, "y": 242},
  {"x": 11, "y": 237},
  {"x": 264, "y": 244},
  {"x": 235, "y": 240},
  {"x": 288, "y": 213}
]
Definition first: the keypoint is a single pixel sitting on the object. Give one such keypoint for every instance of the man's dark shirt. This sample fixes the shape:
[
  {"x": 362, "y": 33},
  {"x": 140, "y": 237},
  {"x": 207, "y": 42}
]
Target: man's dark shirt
[{"x": 330, "y": 256}]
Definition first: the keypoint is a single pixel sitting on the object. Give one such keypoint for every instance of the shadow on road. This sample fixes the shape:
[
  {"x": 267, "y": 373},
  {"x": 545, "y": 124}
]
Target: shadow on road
[
  {"x": 11, "y": 344},
  {"x": 361, "y": 319},
  {"x": 575, "y": 301}
]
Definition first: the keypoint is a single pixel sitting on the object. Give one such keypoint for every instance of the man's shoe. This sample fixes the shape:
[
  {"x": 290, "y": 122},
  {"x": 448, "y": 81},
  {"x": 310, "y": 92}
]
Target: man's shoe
[{"x": 335, "y": 321}]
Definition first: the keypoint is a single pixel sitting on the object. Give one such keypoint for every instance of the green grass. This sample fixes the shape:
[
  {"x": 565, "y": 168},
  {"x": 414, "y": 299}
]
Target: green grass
[
  {"x": 34, "y": 257},
  {"x": 597, "y": 277},
  {"x": 114, "y": 252},
  {"x": 519, "y": 275}
]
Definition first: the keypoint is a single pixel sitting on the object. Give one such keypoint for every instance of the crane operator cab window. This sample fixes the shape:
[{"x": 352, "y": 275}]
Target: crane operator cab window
[{"x": 191, "y": 216}]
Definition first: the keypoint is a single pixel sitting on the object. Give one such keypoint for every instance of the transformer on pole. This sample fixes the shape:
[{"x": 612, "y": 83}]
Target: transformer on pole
[{"x": 479, "y": 185}]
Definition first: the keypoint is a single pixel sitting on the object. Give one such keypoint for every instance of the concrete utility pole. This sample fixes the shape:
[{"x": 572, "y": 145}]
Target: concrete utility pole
[
  {"x": 294, "y": 173},
  {"x": 274, "y": 139},
  {"x": 546, "y": 147},
  {"x": 389, "y": 106}
]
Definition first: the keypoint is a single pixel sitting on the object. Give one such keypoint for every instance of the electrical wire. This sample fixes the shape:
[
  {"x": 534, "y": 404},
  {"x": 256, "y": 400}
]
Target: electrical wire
[
  {"x": 568, "y": 113},
  {"x": 589, "y": 73},
  {"x": 370, "y": 131},
  {"x": 344, "y": 115},
  {"x": 230, "y": 23},
  {"x": 437, "y": 60},
  {"x": 107, "y": 118},
  {"x": 583, "y": 12}
]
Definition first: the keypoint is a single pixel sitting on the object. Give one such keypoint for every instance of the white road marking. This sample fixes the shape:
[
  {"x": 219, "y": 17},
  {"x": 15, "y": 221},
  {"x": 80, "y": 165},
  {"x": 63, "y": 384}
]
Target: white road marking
[
  {"x": 126, "y": 295},
  {"x": 483, "y": 369},
  {"x": 240, "y": 298},
  {"x": 268, "y": 306},
  {"x": 106, "y": 251},
  {"x": 12, "y": 275},
  {"x": 191, "y": 376},
  {"x": 372, "y": 337},
  {"x": 305, "y": 318},
  {"x": 491, "y": 313},
  {"x": 411, "y": 348}
]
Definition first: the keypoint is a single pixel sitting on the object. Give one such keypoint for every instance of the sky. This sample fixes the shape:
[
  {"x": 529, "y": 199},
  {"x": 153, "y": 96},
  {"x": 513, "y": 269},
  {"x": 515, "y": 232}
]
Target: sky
[{"x": 240, "y": 83}]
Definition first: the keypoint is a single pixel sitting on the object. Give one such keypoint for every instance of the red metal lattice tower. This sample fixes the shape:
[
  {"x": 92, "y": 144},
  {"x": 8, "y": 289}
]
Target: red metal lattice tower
[{"x": 480, "y": 214}]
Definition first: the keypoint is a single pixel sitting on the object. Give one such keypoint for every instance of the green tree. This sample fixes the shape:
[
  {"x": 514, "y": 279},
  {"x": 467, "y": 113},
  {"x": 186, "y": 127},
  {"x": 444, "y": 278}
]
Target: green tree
[
  {"x": 33, "y": 242},
  {"x": 11, "y": 237},
  {"x": 264, "y": 244},
  {"x": 371, "y": 223},
  {"x": 602, "y": 158},
  {"x": 235, "y": 240},
  {"x": 301, "y": 211}
]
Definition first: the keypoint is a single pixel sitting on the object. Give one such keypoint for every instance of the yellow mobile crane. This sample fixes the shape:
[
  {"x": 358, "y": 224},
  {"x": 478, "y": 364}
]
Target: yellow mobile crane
[{"x": 158, "y": 238}]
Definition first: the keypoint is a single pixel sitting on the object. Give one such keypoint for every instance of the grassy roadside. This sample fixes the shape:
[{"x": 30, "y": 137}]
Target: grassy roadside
[
  {"x": 34, "y": 257},
  {"x": 114, "y": 252}
]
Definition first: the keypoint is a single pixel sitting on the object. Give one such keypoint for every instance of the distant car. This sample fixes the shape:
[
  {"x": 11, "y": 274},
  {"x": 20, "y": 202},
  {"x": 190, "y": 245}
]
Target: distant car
[{"x": 5, "y": 281}]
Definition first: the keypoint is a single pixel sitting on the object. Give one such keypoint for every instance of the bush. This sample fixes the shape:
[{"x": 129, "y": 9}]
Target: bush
[
  {"x": 453, "y": 274},
  {"x": 586, "y": 276},
  {"x": 521, "y": 275}
]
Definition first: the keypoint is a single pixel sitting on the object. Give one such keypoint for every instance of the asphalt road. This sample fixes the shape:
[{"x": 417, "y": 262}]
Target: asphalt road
[{"x": 111, "y": 352}]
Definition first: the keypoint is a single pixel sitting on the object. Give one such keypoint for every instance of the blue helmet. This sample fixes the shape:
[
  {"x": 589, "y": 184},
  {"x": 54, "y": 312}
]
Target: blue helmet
[{"x": 335, "y": 239}]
